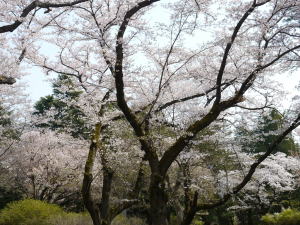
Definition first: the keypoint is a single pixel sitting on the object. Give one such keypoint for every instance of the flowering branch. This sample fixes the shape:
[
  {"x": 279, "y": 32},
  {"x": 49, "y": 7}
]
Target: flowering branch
[{"x": 36, "y": 4}]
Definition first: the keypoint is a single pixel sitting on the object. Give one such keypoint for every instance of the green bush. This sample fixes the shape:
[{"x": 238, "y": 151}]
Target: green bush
[
  {"x": 29, "y": 212},
  {"x": 35, "y": 212},
  {"x": 286, "y": 217}
]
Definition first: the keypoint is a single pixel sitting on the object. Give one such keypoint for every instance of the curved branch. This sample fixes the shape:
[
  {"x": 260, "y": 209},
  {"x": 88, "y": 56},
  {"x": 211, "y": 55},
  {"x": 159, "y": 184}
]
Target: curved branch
[
  {"x": 205, "y": 93},
  {"x": 253, "y": 167},
  {"x": 119, "y": 68},
  {"x": 32, "y": 6},
  {"x": 250, "y": 79},
  {"x": 229, "y": 45},
  {"x": 170, "y": 155},
  {"x": 129, "y": 115}
]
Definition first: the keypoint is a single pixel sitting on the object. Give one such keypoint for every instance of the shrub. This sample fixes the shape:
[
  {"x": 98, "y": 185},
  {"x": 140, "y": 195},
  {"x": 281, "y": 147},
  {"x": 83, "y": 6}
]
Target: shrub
[
  {"x": 29, "y": 212},
  {"x": 286, "y": 217}
]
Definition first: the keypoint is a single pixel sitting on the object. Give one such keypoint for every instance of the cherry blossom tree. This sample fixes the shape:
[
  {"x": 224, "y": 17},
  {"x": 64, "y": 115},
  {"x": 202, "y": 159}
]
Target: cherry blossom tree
[
  {"x": 242, "y": 64},
  {"x": 47, "y": 166},
  {"x": 276, "y": 175},
  {"x": 13, "y": 115},
  {"x": 116, "y": 144},
  {"x": 212, "y": 170},
  {"x": 119, "y": 57},
  {"x": 22, "y": 14}
]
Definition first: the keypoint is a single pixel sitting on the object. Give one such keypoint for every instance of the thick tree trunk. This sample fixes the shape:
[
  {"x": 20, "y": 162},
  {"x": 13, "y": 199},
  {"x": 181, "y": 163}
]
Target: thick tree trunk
[
  {"x": 92, "y": 208},
  {"x": 158, "y": 201}
]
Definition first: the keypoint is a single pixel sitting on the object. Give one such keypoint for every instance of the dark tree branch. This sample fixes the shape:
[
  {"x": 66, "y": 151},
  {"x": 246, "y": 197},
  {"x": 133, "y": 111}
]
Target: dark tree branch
[
  {"x": 168, "y": 104},
  {"x": 171, "y": 154},
  {"x": 129, "y": 115},
  {"x": 229, "y": 45},
  {"x": 7, "y": 80},
  {"x": 32, "y": 6},
  {"x": 250, "y": 79},
  {"x": 253, "y": 167}
]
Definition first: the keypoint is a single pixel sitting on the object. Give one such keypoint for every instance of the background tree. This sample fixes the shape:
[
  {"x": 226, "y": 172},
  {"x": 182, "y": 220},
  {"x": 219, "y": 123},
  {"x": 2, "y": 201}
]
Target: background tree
[
  {"x": 67, "y": 116},
  {"x": 8, "y": 191},
  {"x": 258, "y": 138},
  {"x": 7, "y": 131},
  {"x": 47, "y": 166},
  {"x": 13, "y": 114}
]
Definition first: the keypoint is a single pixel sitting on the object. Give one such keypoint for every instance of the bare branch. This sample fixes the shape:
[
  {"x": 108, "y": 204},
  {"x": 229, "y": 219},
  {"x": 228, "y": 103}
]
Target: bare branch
[{"x": 250, "y": 79}]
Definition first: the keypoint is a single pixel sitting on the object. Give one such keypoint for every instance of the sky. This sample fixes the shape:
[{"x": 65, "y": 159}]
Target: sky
[
  {"x": 289, "y": 83},
  {"x": 37, "y": 84}
]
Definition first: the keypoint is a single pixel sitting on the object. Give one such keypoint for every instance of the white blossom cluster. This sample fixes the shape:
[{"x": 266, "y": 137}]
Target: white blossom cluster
[
  {"x": 277, "y": 174},
  {"x": 46, "y": 164}
]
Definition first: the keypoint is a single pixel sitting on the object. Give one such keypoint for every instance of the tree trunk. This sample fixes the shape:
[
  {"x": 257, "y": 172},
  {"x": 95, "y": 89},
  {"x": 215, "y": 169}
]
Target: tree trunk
[
  {"x": 188, "y": 218},
  {"x": 102, "y": 213},
  {"x": 158, "y": 201},
  {"x": 249, "y": 215},
  {"x": 92, "y": 208},
  {"x": 190, "y": 210},
  {"x": 106, "y": 191}
]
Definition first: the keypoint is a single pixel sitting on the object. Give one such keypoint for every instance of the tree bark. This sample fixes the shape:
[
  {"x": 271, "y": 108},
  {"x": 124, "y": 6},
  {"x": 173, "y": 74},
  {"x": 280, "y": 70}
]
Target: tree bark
[
  {"x": 158, "y": 201},
  {"x": 88, "y": 178},
  {"x": 106, "y": 190},
  {"x": 7, "y": 80},
  {"x": 102, "y": 213}
]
